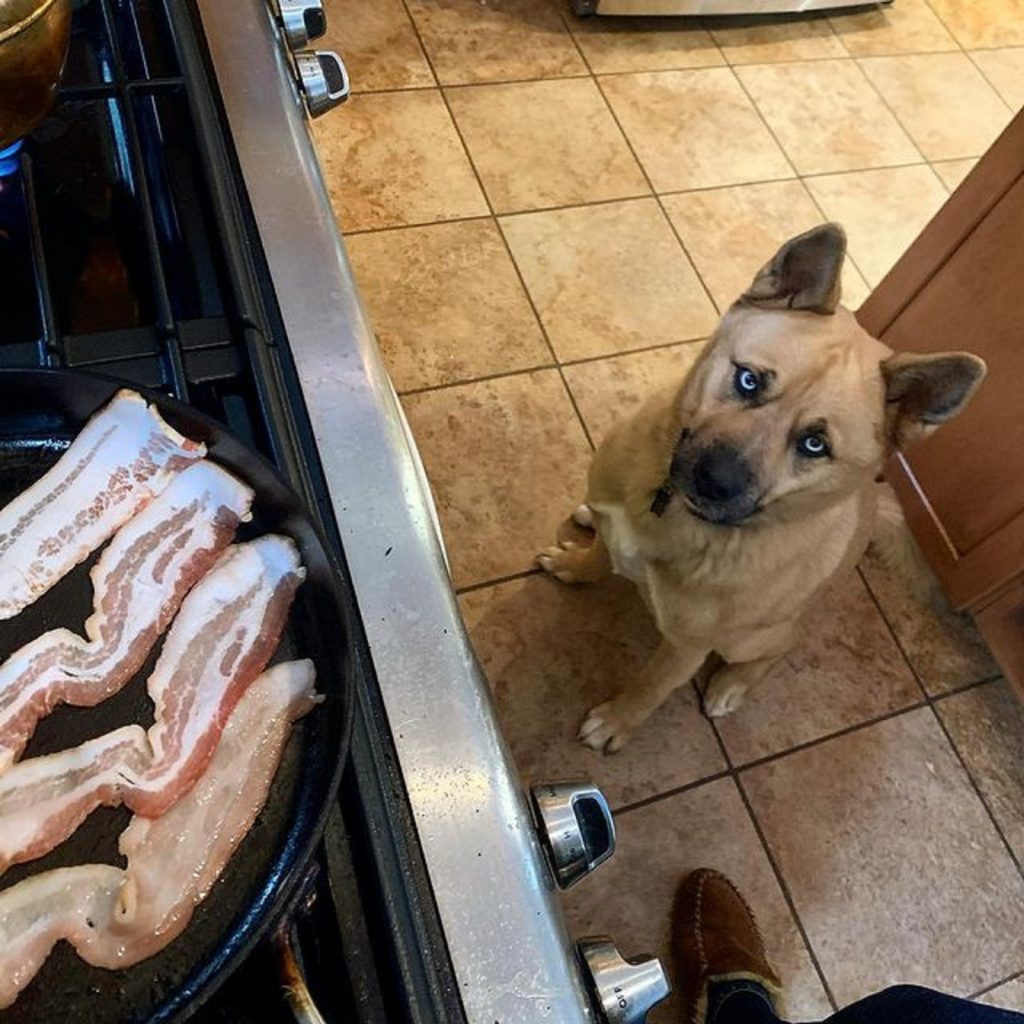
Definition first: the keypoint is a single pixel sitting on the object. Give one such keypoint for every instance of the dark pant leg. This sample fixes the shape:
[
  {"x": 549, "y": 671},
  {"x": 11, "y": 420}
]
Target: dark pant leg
[
  {"x": 747, "y": 1003},
  {"x": 739, "y": 1002},
  {"x": 909, "y": 1004}
]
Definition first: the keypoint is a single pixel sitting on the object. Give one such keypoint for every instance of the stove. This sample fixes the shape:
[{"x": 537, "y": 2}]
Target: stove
[{"x": 167, "y": 225}]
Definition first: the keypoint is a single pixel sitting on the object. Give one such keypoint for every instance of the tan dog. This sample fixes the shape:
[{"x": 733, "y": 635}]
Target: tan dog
[{"x": 733, "y": 499}]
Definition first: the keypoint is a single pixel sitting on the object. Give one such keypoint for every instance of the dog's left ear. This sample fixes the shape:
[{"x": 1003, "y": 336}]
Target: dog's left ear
[
  {"x": 804, "y": 273},
  {"x": 923, "y": 391}
]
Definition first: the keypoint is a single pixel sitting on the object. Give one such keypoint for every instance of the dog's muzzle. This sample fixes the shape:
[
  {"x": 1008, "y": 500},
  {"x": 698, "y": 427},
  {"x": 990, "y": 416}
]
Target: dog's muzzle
[{"x": 718, "y": 482}]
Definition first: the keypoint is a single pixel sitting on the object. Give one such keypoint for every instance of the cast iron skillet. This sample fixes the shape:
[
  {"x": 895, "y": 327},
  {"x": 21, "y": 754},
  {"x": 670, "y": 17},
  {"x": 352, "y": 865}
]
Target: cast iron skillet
[{"x": 41, "y": 411}]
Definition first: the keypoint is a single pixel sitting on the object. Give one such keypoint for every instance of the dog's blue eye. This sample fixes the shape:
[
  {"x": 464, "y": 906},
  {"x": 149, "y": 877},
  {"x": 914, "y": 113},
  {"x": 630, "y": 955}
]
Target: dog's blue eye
[
  {"x": 814, "y": 446},
  {"x": 746, "y": 382}
]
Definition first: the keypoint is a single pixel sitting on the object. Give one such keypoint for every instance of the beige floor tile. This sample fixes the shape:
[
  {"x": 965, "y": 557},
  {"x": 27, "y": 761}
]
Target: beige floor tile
[
  {"x": 538, "y": 144},
  {"x": 953, "y": 172},
  {"x": 378, "y": 43},
  {"x": 846, "y": 670},
  {"x": 395, "y": 158},
  {"x": 883, "y": 211},
  {"x": 632, "y": 896},
  {"x": 827, "y": 116},
  {"x": 608, "y": 278},
  {"x": 909, "y": 26},
  {"x": 943, "y": 646},
  {"x": 987, "y": 726},
  {"x": 730, "y": 233},
  {"x": 552, "y": 652},
  {"x": 1005, "y": 70},
  {"x": 608, "y": 390},
  {"x": 773, "y": 38},
  {"x": 894, "y": 866},
  {"x": 983, "y": 23},
  {"x": 644, "y": 44},
  {"x": 694, "y": 129},
  {"x": 942, "y": 100},
  {"x": 469, "y": 41},
  {"x": 446, "y": 303},
  {"x": 1010, "y": 996},
  {"x": 505, "y": 459}
]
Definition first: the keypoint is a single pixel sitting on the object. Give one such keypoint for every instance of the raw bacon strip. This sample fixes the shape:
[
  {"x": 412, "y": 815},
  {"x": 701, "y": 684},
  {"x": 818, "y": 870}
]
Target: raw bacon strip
[
  {"x": 124, "y": 456},
  {"x": 44, "y": 799},
  {"x": 138, "y": 584},
  {"x": 159, "y": 895},
  {"x": 117, "y": 918},
  {"x": 38, "y": 912},
  {"x": 222, "y": 639}
]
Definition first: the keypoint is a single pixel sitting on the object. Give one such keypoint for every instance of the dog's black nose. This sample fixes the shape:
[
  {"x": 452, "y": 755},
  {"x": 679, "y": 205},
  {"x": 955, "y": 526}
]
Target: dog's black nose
[{"x": 721, "y": 473}]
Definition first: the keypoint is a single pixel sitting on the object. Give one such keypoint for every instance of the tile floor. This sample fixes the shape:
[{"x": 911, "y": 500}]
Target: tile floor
[{"x": 546, "y": 216}]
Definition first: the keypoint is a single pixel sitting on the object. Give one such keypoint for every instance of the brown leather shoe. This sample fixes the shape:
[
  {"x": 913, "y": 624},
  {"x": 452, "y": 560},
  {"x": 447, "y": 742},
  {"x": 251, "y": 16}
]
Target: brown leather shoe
[{"x": 717, "y": 939}]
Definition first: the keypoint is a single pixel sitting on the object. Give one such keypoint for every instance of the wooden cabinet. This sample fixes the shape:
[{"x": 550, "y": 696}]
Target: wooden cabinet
[{"x": 961, "y": 286}]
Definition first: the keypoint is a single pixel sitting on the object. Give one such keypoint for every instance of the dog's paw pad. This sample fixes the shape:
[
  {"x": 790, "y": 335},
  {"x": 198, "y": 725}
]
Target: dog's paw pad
[
  {"x": 603, "y": 729},
  {"x": 583, "y": 516}
]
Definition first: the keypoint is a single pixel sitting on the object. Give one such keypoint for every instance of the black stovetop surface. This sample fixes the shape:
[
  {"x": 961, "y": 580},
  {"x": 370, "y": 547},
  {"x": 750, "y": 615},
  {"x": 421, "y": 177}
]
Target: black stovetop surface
[{"x": 127, "y": 248}]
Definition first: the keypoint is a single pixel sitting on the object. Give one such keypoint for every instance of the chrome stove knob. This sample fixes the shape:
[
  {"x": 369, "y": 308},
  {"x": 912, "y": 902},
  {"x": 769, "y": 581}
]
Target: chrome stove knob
[
  {"x": 575, "y": 826},
  {"x": 625, "y": 990},
  {"x": 302, "y": 21},
  {"x": 324, "y": 80}
]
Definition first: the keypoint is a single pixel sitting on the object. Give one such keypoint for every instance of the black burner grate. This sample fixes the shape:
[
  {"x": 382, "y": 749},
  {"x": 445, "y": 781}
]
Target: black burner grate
[
  {"x": 127, "y": 248},
  {"x": 113, "y": 257}
]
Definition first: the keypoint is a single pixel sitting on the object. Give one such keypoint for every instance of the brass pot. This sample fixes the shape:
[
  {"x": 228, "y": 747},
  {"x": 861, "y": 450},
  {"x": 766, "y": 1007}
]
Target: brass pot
[{"x": 34, "y": 37}]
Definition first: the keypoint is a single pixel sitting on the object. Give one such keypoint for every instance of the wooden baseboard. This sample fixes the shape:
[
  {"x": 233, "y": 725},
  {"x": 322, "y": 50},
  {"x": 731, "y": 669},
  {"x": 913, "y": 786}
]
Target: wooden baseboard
[{"x": 1002, "y": 625}]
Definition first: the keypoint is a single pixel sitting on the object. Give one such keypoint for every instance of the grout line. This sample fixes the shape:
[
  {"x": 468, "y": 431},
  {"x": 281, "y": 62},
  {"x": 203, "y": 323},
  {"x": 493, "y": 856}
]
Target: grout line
[
  {"x": 931, "y": 703},
  {"x": 942, "y": 21},
  {"x": 988, "y": 81},
  {"x": 892, "y": 633},
  {"x": 956, "y": 691},
  {"x": 508, "y": 249},
  {"x": 643, "y": 170},
  {"x": 847, "y": 730},
  {"x": 668, "y": 193},
  {"x": 977, "y": 788},
  {"x": 885, "y": 103},
  {"x": 786, "y": 894},
  {"x": 726, "y": 63},
  {"x": 797, "y": 174},
  {"x": 427, "y": 389},
  {"x": 383, "y": 229},
  {"x": 989, "y": 988},
  {"x": 706, "y": 780},
  {"x": 498, "y": 580},
  {"x": 795, "y": 18},
  {"x": 928, "y": 695},
  {"x": 736, "y": 769},
  {"x": 584, "y": 360},
  {"x": 776, "y": 870},
  {"x": 564, "y": 363}
]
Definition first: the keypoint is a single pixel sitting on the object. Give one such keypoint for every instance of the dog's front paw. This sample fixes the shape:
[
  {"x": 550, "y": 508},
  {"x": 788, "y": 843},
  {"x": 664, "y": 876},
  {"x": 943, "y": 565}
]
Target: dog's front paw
[
  {"x": 723, "y": 696},
  {"x": 606, "y": 727},
  {"x": 561, "y": 561}
]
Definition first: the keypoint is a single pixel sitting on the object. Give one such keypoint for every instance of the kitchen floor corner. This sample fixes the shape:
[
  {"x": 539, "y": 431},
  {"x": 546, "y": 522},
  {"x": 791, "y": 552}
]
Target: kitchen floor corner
[{"x": 546, "y": 216}]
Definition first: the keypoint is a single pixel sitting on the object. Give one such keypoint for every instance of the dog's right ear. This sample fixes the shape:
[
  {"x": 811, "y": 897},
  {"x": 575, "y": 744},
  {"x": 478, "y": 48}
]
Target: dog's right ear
[{"x": 803, "y": 274}]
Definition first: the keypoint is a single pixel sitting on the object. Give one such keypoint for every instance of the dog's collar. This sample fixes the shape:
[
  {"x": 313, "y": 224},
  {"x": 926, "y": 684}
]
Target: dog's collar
[{"x": 662, "y": 496}]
